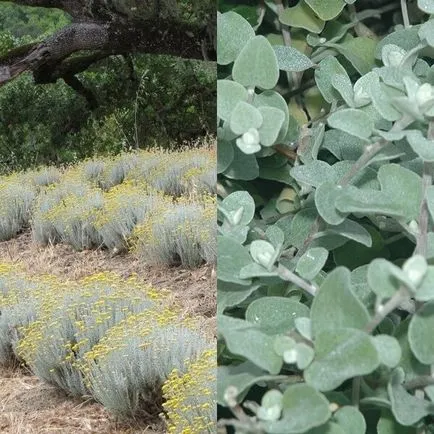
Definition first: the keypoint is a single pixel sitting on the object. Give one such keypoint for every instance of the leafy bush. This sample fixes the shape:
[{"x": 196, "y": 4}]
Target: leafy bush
[
  {"x": 16, "y": 198},
  {"x": 127, "y": 378},
  {"x": 112, "y": 339},
  {"x": 179, "y": 233},
  {"x": 125, "y": 206},
  {"x": 326, "y": 242},
  {"x": 67, "y": 213},
  {"x": 76, "y": 317}
]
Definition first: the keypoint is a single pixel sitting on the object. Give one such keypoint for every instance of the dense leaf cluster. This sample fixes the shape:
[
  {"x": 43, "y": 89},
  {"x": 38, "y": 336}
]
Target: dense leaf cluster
[{"x": 326, "y": 211}]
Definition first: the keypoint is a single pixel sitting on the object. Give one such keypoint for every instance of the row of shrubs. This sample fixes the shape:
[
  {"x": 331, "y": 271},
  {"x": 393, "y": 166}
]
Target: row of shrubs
[
  {"x": 161, "y": 205},
  {"x": 111, "y": 339}
]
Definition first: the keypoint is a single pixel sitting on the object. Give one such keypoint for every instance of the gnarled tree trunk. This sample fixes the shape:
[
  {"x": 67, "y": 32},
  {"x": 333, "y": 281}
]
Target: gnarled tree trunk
[{"x": 101, "y": 28}]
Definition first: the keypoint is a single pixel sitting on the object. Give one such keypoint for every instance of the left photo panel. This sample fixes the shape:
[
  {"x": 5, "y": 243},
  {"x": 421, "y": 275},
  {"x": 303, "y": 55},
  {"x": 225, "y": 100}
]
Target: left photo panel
[{"x": 108, "y": 216}]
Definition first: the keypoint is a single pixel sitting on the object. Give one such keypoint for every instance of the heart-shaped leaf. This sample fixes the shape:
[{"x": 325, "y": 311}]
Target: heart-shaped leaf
[
  {"x": 420, "y": 334},
  {"x": 233, "y": 33},
  {"x": 327, "y": 314},
  {"x": 256, "y": 65},
  {"x": 340, "y": 355},
  {"x": 247, "y": 340},
  {"x": 290, "y": 59},
  {"x": 303, "y": 408},
  {"x": 311, "y": 263},
  {"x": 275, "y": 315}
]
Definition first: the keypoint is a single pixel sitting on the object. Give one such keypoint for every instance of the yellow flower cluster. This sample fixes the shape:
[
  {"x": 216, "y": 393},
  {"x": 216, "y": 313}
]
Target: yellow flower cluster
[{"x": 191, "y": 401}]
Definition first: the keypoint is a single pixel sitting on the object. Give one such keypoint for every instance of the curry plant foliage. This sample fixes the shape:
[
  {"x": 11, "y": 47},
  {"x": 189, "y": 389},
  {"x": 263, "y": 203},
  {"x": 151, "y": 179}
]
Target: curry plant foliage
[{"x": 326, "y": 217}]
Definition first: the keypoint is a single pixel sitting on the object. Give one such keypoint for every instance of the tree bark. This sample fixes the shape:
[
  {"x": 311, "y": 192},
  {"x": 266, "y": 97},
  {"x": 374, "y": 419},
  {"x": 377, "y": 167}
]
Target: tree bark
[{"x": 105, "y": 31}]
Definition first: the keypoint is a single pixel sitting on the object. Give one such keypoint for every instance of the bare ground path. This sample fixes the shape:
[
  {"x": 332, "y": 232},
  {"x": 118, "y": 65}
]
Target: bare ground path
[{"x": 29, "y": 406}]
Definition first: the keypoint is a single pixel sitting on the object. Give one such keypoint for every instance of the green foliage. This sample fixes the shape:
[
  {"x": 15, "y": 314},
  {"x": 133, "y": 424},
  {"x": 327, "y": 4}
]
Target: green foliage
[
  {"x": 42, "y": 124},
  {"x": 325, "y": 210}
]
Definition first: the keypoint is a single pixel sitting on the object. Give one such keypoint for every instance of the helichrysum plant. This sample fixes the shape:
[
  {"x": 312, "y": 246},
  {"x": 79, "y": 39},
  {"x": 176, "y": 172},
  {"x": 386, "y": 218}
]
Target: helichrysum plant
[
  {"x": 326, "y": 217},
  {"x": 178, "y": 233},
  {"x": 16, "y": 199},
  {"x": 112, "y": 339},
  {"x": 190, "y": 396}
]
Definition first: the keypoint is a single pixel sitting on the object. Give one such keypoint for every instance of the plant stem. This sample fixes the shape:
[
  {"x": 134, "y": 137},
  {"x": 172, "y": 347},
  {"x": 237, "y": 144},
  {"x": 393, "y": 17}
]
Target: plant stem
[
  {"x": 365, "y": 158},
  {"x": 405, "y": 14},
  {"x": 395, "y": 301},
  {"x": 289, "y": 276},
  {"x": 356, "y": 391}
]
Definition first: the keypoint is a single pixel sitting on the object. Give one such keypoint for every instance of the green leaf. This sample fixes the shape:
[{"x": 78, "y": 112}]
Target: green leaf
[
  {"x": 241, "y": 205},
  {"x": 352, "y": 121},
  {"x": 388, "y": 349},
  {"x": 400, "y": 195},
  {"x": 328, "y": 428},
  {"x": 351, "y": 230},
  {"x": 325, "y": 198},
  {"x": 326, "y": 9},
  {"x": 311, "y": 263},
  {"x": 257, "y": 64},
  {"x": 406, "y": 408},
  {"x": 271, "y": 405},
  {"x": 343, "y": 354},
  {"x": 425, "y": 291},
  {"x": 426, "y": 6},
  {"x": 225, "y": 155},
  {"x": 420, "y": 334},
  {"x": 244, "y": 116},
  {"x": 230, "y": 294},
  {"x": 232, "y": 257},
  {"x": 342, "y": 145},
  {"x": 229, "y": 94},
  {"x": 382, "y": 278},
  {"x": 263, "y": 253},
  {"x": 243, "y": 166},
  {"x": 327, "y": 314},
  {"x": 421, "y": 145},
  {"x": 314, "y": 173},
  {"x": 275, "y": 315},
  {"x": 359, "y": 51},
  {"x": 233, "y": 34},
  {"x": 273, "y": 119},
  {"x": 328, "y": 68},
  {"x": 426, "y": 31},
  {"x": 303, "y": 408},
  {"x": 404, "y": 38},
  {"x": 411, "y": 366},
  {"x": 301, "y": 225},
  {"x": 241, "y": 376},
  {"x": 301, "y": 16},
  {"x": 305, "y": 355},
  {"x": 256, "y": 270},
  {"x": 388, "y": 425},
  {"x": 290, "y": 59},
  {"x": 271, "y": 98},
  {"x": 350, "y": 420},
  {"x": 343, "y": 85},
  {"x": 247, "y": 340}
]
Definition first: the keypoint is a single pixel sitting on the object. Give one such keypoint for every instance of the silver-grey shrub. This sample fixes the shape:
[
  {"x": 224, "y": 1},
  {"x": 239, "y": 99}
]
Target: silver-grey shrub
[
  {"x": 16, "y": 199},
  {"x": 127, "y": 380}
]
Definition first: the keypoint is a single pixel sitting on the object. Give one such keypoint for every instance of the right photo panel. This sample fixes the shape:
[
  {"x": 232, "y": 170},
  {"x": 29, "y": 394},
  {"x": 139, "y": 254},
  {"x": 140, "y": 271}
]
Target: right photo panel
[{"x": 325, "y": 216}]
